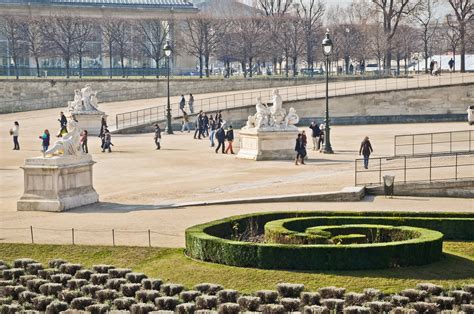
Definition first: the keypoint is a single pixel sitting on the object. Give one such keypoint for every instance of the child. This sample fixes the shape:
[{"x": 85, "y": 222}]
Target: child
[
  {"x": 45, "y": 140},
  {"x": 84, "y": 147}
]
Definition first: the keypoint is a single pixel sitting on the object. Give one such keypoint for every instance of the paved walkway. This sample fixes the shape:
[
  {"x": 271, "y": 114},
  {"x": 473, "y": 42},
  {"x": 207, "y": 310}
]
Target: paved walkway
[{"x": 136, "y": 179}]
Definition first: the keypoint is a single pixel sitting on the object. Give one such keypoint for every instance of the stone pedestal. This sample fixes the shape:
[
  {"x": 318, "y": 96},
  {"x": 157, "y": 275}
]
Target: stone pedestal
[
  {"x": 90, "y": 121},
  {"x": 58, "y": 183},
  {"x": 268, "y": 144}
]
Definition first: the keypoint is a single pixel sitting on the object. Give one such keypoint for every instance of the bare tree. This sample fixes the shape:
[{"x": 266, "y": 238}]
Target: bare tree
[
  {"x": 152, "y": 35},
  {"x": 36, "y": 41},
  {"x": 122, "y": 33},
  {"x": 108, "y": 37},
  {"x": 62, "y": 32},
  {"x": 311, "y": 12},
  {"x": 464, "y": 13},
  {"x": 274, "y": 7},
  {"x": 194, "y": 38},
  {"x": 12, "y": 28},
  {"x": 296, "y": 41},
  {"x": 392, "y": 12},
  {"x": 85, "y": 29},
  {"x": 425, "y": 17}
]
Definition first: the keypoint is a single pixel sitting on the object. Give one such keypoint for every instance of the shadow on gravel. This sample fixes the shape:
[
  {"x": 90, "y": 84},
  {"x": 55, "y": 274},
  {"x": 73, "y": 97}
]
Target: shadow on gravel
[{"x": 113, "y": 208}]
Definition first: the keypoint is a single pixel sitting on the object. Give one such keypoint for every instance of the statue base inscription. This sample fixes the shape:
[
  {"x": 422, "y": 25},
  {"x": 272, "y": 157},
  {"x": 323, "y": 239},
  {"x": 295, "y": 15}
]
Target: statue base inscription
[
  {"x": 267, "y": 144},
  {"x": 90, "y": 121},
  {"x": 57, "y": 183}
]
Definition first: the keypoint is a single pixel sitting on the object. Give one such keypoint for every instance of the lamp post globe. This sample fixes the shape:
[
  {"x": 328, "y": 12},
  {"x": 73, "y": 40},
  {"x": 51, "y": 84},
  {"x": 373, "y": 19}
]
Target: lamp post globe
[
  {"x": 167, "y": 50},
  {"x": 327, "y": 50}
]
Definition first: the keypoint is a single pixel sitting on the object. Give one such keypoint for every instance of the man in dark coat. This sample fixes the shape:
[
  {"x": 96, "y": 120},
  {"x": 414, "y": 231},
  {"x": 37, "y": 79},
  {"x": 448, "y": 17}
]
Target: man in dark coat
[
  {"x": 157, "y": 136},
  {"x": 315, "y": 134},
  {"x": 220, "y": 136}
]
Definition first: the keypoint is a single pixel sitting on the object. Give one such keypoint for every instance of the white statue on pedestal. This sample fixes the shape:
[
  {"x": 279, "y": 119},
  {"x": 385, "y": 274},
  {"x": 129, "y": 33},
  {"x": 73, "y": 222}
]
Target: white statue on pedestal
[
  {"x": 69, "y": 144},
  {"x": 85, "y": 101},
  {"x": 274, "y": 117}
]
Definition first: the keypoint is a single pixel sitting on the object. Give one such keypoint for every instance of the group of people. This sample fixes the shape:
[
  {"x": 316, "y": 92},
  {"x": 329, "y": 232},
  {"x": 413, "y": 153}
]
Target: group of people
[
  {"x": 435, "y": 69},
  {"x": 213, "y": 127},
  {"x": 182, "y": 103}
]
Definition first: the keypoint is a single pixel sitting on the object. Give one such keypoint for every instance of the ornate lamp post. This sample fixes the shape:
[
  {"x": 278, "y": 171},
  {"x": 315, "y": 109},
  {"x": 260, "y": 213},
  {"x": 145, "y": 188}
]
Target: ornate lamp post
[
  {"x": 167, "y": 50},
  {"x": 327, "y": 50}
]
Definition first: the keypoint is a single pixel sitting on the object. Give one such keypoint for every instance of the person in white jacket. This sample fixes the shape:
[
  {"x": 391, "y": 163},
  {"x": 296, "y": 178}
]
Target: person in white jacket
[{"x": 15, "y": 132}]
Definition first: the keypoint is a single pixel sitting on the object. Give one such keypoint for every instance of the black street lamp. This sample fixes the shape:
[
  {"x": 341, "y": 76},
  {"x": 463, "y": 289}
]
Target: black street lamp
[
  {"x": 167, "y": 49},
  {"x": 327, "y": 50}
]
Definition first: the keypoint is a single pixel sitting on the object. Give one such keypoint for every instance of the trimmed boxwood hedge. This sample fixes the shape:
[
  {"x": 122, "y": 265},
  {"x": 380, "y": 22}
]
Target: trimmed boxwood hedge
[{"x": 213, "y": 241}]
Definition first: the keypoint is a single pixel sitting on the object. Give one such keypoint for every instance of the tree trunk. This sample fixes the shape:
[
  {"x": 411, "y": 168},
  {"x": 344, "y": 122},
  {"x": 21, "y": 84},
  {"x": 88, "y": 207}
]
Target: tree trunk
[
  {"x": 287, "y": 67},
  {"x": 388, "y": 61},
  {"x": 157, "y": 69},
  {"x": 398, "y": 63},
  {"x": 426, "y": 52},
  {"x": 206, "y": 60},
  {"x": 250, "y": 66},
  {"x": 15, "y": 64},
  {"x": 462, "y": 33},
  {"x": 454, "y": 58},
  {"x": 406, "y": 65},
  {"x": 275, "y": 65},
  {"x": 110, "y": 60},
  {"x": 244, "y": 68},
  {"x": 200, "y": 65},
  {"x": 123, "y": 66},
  {"x": 346, "y": 60},
  {"x": 66, "y": 60},
  {"x": 80, "y": 64},
  {"x": 37, "y": 67},
  {"x": 294, "y": 66}
]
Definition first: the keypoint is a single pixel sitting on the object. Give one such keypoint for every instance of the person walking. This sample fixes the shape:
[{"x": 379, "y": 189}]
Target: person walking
[
  {"x": 198, "y": 124},
  {"x": 300, "y": 150},
  {"x": 45, "y": 140},
  {"x": 157, "y": 136},
  {"x": 230, "y": 139},
  {"x": 315, "y": 134},
  {"x": 103, "y": 126},
  {"x": 432, "y": 64},
  {"x": 220, "y": 136},
  {"x": 191, "y": 103},
  {"x": 15, "y": 132},
  {"x": 205, "y": 125},
  {"x": 182, "y": 103},
  {"x": 185, "y": 125},
  {"x": 321, "y": 137},
  {"x": 107, "y": 141},
  {"x": 451, "y": 65},
  {"x": 218, "y": 119},
  {"x": 62, "y": 124},
  {"x": 212, "y": 130},
  {"x": 84, "y": 136},
  {"x": 366, "y": 150}
]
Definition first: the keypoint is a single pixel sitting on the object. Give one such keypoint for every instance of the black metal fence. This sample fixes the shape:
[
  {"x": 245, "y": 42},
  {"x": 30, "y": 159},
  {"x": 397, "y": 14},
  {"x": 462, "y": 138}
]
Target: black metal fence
[
  {"x": 434, "y": 143},
  {"x": 417, "y": 168}
]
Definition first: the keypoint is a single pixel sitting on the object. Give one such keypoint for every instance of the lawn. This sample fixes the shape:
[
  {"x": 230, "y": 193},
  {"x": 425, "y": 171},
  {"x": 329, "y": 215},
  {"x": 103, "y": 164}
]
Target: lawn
[{"x": 172, "y": 265}]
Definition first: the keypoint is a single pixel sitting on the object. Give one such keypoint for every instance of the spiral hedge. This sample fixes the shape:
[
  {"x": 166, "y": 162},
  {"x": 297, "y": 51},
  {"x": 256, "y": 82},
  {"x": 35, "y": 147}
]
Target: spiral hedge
[{"x": 248, "y": 240}]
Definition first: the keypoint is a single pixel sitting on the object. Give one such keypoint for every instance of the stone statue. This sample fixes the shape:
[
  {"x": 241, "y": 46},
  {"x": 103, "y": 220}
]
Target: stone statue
[
  {"x": 274, "y": 117},
  {"x": 69, "y": 144},
  {"x": 278, "y": 113},
  {"x": 291, "y": 118},
  {"x": 85, "y": 101}
]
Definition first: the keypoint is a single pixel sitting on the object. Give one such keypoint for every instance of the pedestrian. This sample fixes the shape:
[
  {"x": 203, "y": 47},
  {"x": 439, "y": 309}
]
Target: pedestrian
[
  {"x": 103, "y": 126},
  {"x": 321, "y": 137},
  {"x": 432, "y": 64},
  {"x": 212, "y": 130},
  {"x": 157, "y": 136},
  {"x": 107, "y": 141},
  {"x": 84, "y": 135},
  {"x": 300, "y": 150},
  {"x": 205, "y": 127},
  {"x": 15, "y": 132},
  {"x": 199, "y": 125},
  {"x": 220, "y": 136},
  {"x": 366, "y": 150},
  {"x": 62, "y": 124},
  {"x": 191, "y": 103},
  {"x": 182, "y": 103},
  {"x": 451, "y": 65},
  {"x": 230, "y": 139},
  {"x": 185, "y": 125},
  {"x": 218, "y": 119},
  {"x": 315, "y": 134},
  {"x": 304, "y": 138},
  {"x": 45, "y": 138}
]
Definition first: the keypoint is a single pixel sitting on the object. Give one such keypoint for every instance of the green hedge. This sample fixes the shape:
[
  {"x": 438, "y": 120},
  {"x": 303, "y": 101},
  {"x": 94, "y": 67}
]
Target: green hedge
[{"x": 214, "y": 242}]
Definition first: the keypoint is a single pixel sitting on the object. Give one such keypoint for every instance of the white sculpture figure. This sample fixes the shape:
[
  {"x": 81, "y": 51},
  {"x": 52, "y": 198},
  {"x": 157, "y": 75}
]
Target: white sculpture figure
[
  {"x": 85, "y": 101},
  {"x": 277, "y": 111},
  {"x": 261, "y": 118},
  {"x": 69, "y": 144},
  {"x": 76, "y": 104},
  {"x": 291, "y": 118}
]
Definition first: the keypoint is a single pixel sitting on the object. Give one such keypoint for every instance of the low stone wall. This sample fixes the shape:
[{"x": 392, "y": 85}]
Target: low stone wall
[
  {"x": 435, "y": 104},
  {"x": 459, "y": 188},
  {"x": 34, "y": 94}
]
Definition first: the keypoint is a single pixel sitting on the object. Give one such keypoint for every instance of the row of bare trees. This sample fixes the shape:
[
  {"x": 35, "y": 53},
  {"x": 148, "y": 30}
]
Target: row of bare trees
[{"x": 282, "y": 33}]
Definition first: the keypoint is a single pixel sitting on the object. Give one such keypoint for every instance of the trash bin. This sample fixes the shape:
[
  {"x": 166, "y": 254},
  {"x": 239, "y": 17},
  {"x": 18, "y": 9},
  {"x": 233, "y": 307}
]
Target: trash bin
[{"x": 388, "y": 183}]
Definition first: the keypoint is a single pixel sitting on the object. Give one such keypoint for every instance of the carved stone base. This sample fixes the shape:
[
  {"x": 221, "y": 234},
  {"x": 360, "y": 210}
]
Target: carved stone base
[
  {"x": 57, "y": 184},
  {"x": 262, "y": 144},
  {"x": 90, "y": 122}
]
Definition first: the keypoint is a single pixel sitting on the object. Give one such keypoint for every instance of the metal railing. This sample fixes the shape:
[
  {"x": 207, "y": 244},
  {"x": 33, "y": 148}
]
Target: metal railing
[
  {"x": 293, "y": 93},
  {"x": 74, "y": 236},
  {"x": 434, "y": 143},
  {"x": 418, "y": 168}
]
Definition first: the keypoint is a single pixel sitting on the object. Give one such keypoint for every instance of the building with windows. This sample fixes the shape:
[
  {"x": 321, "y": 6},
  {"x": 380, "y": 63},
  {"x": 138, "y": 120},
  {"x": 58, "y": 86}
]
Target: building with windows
[{"x": 98, "y": 59}]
